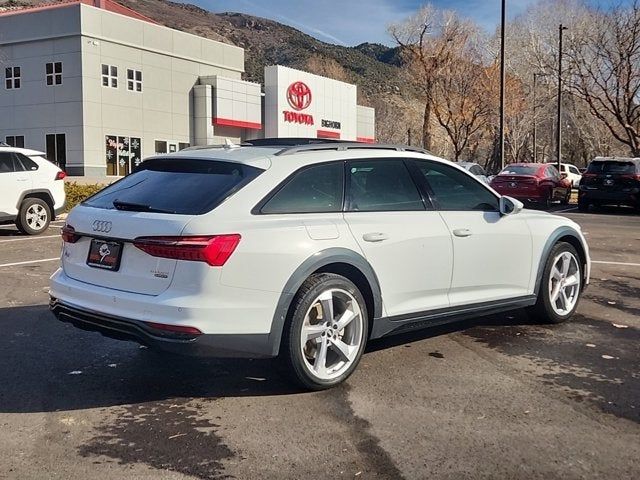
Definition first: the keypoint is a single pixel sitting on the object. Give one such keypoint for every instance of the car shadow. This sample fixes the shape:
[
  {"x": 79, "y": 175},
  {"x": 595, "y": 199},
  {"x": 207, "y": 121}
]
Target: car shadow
[{"x": 47, "y": 365}]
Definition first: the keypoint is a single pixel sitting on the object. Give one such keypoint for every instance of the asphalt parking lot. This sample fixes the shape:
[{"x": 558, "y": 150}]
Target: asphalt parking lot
[{"x": 497, "y": 397}]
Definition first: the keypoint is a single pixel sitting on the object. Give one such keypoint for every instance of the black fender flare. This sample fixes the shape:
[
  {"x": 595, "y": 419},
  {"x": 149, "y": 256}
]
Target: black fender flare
[
  {"x": 36, "y": 190},
  {"x": 558, "y": 233},
  {"x": 310, "y": 265}
]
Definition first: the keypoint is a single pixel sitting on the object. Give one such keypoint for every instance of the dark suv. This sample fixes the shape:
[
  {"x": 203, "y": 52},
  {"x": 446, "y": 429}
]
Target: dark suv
[{"x": 610, "y": 181}]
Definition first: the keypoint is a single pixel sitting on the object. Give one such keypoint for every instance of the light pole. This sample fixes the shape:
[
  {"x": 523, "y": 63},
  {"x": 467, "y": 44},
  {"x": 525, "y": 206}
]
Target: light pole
[
  {"x": 535, "y": 107},
  {"x": 502, "y": 78},
  {"x": 561, "y": 28}
]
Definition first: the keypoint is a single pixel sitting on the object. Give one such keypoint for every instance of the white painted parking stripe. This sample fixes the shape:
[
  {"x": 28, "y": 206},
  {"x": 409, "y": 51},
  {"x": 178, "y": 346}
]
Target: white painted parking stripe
[
  {"x": 29, "y": 238},
  {"x": 565, "y": 210},
  {"x": 28, "y": 262},
  {"x": 616, "y": 263}
]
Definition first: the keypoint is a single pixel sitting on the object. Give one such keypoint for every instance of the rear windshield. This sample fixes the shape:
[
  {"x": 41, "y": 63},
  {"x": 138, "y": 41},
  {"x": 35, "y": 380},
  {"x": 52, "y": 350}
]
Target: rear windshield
[
  {"x": 624, "y": 168},
  {"x": 180, "y": 186},
  {"x": 520, "y": 170}
]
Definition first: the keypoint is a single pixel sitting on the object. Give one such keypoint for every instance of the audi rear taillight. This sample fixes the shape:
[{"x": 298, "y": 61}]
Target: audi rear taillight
[
  {"x": 214, "y": 250},
  {"x": 69, "y": 234},
  {"x": 60, "y": 175}
]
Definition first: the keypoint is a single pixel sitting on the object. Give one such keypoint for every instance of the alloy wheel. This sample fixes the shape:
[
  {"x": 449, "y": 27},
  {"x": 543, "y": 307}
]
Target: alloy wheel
[
  {"x": 564, "y": 283},
  {"x": 332, "y": 334},
  {"x": 36, "y": 217}
]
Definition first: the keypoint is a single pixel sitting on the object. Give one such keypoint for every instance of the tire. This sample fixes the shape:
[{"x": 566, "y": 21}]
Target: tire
[
  {"x": 583, "y": 206},
  {"x": 546, "y": 202},
  {"x": 566, "y": 199},
  {"x": 306, "y": 312},
  {"x": 564, "y": 306},
  {"x": 34, "y": 216}
]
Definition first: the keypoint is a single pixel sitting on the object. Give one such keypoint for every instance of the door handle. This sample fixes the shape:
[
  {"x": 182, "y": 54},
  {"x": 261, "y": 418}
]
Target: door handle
[
  {"x": 22, "y": 179},
  {"x": 375, "y": 237},
  {"x": 462, "y": 232}
]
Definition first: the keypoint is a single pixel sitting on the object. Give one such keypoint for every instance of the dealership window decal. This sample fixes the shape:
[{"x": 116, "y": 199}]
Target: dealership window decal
[
  {"x": 53, "y": 72},
  {"x": 123, "y": 154},
  {"x": 12, "y": 77}
]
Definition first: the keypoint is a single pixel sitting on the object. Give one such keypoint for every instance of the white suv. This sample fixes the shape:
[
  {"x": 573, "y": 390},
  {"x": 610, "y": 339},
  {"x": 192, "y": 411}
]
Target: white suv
[
  {"x": 31, "y": 189},
  {"x": 306, "y": 252}
]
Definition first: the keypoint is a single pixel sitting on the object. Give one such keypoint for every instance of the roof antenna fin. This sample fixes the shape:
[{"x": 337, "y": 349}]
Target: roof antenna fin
[{"x": 229, "y": 144}]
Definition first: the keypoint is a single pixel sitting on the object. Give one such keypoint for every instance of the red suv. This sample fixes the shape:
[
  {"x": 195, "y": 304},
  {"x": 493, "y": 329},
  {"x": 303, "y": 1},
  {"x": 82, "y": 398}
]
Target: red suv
[{"x": 533, "y": 182}]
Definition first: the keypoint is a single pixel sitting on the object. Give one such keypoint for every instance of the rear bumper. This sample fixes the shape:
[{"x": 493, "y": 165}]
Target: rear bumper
[
  {"x": 532, "y": 195},
  {"x": 205, "y": 345},
  {"x": 625, "y": 198}
]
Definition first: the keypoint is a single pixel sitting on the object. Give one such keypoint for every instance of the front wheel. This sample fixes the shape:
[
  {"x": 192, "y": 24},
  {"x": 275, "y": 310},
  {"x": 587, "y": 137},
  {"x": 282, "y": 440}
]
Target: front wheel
[
  {"x": 34, "y": 216},
  {"x": 326, "y": 331},
  {"x": 559, "y": 289}
]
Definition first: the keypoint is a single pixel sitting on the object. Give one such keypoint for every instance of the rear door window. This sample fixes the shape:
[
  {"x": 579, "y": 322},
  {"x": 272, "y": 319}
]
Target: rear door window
[
  {"x": 315, "y": 189},
  {"x": 175, "y": 185},
  {"x": 6, "y": 162},
  {"x": 381, "y": 186}
]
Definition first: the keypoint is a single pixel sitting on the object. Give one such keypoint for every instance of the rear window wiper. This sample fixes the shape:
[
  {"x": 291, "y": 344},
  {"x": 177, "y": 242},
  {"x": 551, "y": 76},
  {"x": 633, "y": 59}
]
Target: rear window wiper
[{"x": 138, "y": 207}]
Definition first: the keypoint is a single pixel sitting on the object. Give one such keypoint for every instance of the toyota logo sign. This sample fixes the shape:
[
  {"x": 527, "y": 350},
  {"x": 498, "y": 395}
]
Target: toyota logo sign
[
  {"x": 299, "y": 95},
  {"x": 101, "y": 226}
]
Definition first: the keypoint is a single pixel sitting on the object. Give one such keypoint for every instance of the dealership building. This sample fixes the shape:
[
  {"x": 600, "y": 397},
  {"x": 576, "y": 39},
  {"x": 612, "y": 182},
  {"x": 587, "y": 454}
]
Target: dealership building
[{"x": 98, "y": 87}]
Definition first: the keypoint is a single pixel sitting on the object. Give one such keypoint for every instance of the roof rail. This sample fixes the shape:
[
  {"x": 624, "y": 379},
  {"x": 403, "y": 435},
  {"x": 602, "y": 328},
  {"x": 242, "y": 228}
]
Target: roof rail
[
  {"x": 343, "y": 146},
  {"x": 291, "y": 141}
]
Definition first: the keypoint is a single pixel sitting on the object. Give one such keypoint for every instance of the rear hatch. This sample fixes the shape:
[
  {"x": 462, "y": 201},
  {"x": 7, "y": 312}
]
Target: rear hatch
[
  {"x": 611, "y": 175},
  {"x": 158, "y": 200}
]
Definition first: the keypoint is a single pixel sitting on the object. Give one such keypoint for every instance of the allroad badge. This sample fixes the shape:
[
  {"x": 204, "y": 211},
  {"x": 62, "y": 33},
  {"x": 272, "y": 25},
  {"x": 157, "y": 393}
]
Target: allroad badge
[{"x": 103, "y": 226}]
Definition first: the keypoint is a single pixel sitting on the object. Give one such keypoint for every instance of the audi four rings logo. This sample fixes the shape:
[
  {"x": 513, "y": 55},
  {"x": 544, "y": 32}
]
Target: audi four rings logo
[{"x": 101, "y": 226}]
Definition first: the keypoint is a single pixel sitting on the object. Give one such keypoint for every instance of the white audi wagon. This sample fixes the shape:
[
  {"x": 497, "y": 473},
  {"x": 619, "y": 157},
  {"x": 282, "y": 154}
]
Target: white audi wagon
[{"x": 306, "y": 252}]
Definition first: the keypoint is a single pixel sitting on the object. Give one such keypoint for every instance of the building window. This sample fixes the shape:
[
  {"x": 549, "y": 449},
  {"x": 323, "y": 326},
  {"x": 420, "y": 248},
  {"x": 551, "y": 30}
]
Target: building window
[
  {"x": 54, "y": 73},
  {"x": 134, "y": 80},
  {"x": 57, "y": 149},
  {"x": 109, "y": 76},
  {"x": 12, "y": 77},
  {"x": 161, "y": 146},
  {"x": 15, "y": 141},
  {"x": 183, "y": 145},
  {"x": 123, "y": 154}
]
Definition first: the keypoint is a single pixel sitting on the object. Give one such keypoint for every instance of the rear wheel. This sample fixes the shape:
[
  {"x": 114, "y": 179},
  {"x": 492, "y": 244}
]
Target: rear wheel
[
  {"x": 326, "y": 332},
  {"x": 560, "y": 285},
  {"x": 34, "y": 216},
  {"x": 546, "y": 201}
]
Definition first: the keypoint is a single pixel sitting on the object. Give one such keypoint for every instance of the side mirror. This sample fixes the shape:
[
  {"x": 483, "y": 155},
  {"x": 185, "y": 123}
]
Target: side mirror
[{"x": 510, "y": 206}]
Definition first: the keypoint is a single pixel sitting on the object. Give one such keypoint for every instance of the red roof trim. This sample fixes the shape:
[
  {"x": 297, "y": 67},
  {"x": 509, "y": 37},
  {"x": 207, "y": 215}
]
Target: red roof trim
[
  {"x": 366, "y": 140},
  {"x": 228, "y": 122},
  {"x": 108, "y": 5},
  {"x": 328, "y": 134}
]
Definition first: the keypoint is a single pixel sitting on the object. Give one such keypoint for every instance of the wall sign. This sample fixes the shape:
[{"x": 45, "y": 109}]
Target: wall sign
[{"x": 299, "y": 98}]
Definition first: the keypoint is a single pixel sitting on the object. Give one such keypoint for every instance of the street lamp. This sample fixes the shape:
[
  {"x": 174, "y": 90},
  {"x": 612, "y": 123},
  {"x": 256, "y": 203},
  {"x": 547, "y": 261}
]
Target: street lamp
[
  {"x": 502, "y": 78},
  {"x": 535, "y": 107},
  {"x": 561, "y": 28}
]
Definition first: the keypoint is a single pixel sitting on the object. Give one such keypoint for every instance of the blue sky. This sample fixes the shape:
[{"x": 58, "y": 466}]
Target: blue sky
[{"x": 350, "y": 22}]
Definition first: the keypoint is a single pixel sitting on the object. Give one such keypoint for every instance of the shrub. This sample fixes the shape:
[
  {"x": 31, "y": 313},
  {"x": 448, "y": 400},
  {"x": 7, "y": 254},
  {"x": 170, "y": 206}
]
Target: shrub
[{"x": 77, "y": 192}]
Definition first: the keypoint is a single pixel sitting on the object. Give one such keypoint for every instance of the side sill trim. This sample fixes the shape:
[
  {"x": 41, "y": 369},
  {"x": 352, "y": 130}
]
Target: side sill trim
[{"x": 402, "y": 323}]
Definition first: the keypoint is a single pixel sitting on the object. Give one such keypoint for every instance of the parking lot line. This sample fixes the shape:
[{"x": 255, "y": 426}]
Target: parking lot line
[
  {"x": 29, "y": 238},
  {"x": 28, "y": 262},
  {"x": 616, "y": 263},
  {"x": 565, "y": 210}
]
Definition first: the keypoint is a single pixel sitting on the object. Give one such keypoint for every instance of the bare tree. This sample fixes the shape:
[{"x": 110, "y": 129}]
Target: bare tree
[
  {"x": 425, "y": 49},
  {"x": 605, "y": 71},
  {"x": 460, "y": 87}
]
